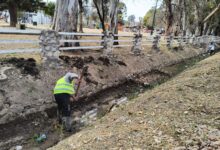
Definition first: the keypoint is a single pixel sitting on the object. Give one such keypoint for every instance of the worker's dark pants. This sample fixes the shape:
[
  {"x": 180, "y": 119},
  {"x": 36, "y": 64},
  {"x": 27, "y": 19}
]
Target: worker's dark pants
[{"x": 63, "y": 102}]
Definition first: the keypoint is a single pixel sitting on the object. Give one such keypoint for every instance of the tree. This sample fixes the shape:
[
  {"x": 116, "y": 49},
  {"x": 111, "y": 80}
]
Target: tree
[
  {"x": 102, "y": 7},
  {"x": 81, "y": 11},
  {"x": 113, "y": 15},
  {"x": 50, "y": 9},
  {"x": 23, "y": 5},
  {"x": 122, "y": 12},
  {"x": 113, "y": 18},
  {"x": 169, "y": 16},
  {"x": 131, "y": 20},
  {"x": 148, "y": 18},
  {"x": 186, "y": 17},
  {"x": 66, "y": 16}
]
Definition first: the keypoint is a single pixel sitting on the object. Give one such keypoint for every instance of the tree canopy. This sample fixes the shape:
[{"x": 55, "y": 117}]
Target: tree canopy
[{"x": 20, "y": 5}]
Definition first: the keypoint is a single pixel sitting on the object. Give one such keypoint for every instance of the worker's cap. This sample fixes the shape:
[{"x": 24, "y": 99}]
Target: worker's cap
[{"x": 72, "y": 75}]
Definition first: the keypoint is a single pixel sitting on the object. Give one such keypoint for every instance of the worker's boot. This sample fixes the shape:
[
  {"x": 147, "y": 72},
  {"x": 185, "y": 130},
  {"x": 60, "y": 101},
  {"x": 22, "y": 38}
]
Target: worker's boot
[
  {"x": 67, "y": 123},
  {"x": 59, "y": 117}
]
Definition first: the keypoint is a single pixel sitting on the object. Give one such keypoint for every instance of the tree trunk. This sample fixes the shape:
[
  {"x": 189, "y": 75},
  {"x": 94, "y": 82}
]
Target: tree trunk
[
  {"x": 13, "y": 13},
  {"x": 67, "y": 16},
  {"x": 169, "y": 17},
  {"x": 184, "y": 18},
  {"x": 113, "y": 22},
  {"x": 55, "y": 15},
  {"x": 80, "y": 16},
  {"x": 99, "y": 10},
  {"x": 197, "y": 22},
  {"x": 206, "y": 27}
]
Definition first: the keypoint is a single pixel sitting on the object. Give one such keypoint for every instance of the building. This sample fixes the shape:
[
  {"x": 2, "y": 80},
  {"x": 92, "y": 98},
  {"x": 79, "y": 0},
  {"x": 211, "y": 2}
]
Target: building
[{"x": 28, "y": 17}]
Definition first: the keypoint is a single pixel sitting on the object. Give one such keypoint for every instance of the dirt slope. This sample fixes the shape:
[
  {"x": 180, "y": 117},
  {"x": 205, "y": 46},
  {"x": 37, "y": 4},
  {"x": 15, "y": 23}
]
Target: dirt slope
[
  {"x": 27, "y": 101},
  {"x": 181, "y": 113}
]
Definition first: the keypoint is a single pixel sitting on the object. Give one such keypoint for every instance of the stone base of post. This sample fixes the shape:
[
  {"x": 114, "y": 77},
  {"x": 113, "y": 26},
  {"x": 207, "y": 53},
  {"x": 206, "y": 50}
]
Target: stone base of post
[
  {"x": 108, "y": 43},
  {"x": 136, "y": 48},
  {"x": 169, "y": 42},
  {"x": 155, "y": 43},
  {"x": 49, "y": 43}
]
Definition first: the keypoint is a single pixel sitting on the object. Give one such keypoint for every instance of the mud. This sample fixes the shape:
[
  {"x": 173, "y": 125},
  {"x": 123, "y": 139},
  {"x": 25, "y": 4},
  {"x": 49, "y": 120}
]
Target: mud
[{"x": 27, "y": 66}]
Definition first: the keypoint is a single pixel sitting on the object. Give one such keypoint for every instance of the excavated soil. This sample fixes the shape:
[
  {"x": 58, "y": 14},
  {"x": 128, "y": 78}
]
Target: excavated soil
[
  {"x": 26, "y": 101},
  {"x": 27, "y": 66}
]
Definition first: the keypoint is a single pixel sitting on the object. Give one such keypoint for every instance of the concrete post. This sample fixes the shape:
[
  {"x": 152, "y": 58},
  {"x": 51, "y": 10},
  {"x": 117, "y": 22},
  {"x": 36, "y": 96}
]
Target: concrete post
[
  {"x": 49, "y": 43},
  {"x": 156, "y": 43},
  {"x": 108, "y": 43},
  {"x": 136, "y": 48}
]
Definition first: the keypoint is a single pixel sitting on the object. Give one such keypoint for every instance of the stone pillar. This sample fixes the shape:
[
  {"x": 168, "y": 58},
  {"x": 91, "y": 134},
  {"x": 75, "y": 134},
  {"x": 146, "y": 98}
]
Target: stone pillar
[
  {"x": 193, "y": 40},
  {"x": 136, "y": 48},
  {"x": 187, "y": 40},
  {"x": 169, "y": 42},
  {"x": 156, "y": 42},
  {"x": 49, "y": 43},
  {"x": 180, "y": 41},
  {"x": 108, "y": 43}
]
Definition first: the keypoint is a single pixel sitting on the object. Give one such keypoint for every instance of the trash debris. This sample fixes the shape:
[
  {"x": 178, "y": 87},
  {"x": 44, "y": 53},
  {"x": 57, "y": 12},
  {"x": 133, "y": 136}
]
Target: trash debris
[
  {"x": 40, "y": 138},
  {"x": 18, "y": 147}
]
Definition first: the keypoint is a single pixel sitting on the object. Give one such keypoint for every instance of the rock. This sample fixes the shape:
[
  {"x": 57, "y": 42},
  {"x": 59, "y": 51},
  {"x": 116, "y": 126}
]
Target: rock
[
  {"x": 122, "y": 100},
  {"x": 12, "y": 141},
  {"x": 186, "y": 112},
  {"x": 157, "y": 139},
  {"x": 3, "y": 112}
]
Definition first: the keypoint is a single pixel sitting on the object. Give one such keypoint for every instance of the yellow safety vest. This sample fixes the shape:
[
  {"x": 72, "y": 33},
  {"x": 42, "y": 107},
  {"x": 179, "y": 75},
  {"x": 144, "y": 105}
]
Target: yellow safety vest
[{"x": 64, "y": 87}]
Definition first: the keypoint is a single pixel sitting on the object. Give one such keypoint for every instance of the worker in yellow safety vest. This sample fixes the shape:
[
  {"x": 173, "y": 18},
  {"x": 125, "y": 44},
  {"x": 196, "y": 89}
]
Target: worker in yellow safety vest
[{"x": 64, "y": 93}]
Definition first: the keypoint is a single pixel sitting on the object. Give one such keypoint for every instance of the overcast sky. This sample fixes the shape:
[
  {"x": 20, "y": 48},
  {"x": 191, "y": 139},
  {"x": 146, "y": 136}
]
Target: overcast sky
[{"x": 136, "y": 7}]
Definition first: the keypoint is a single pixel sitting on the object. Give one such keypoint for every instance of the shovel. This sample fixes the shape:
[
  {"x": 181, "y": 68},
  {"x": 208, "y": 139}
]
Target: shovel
[{"x": 80, "y": 79}]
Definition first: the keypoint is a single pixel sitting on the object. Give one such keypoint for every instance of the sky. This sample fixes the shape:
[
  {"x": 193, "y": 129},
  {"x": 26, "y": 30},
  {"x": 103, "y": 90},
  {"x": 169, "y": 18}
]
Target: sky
[{"x": 136, "y": 7}]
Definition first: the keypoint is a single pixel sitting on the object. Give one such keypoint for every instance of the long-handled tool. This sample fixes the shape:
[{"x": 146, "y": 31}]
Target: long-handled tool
[{"x": 80, "y": 79}]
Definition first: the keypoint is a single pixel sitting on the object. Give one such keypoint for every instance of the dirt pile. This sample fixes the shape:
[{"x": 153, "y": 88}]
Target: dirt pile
[
  {"x": 182, "y": 113},
  {"x": 27, "y": 66},
  {"x": 77, "y": 62},
  {"x": 80, "y": 62}
]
